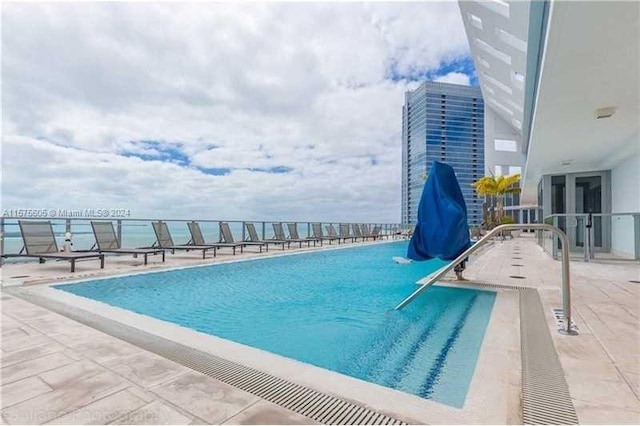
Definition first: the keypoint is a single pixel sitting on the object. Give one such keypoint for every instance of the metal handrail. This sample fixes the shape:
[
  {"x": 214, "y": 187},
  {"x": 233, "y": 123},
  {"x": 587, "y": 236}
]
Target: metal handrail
[{"x": 566, "y": 284}]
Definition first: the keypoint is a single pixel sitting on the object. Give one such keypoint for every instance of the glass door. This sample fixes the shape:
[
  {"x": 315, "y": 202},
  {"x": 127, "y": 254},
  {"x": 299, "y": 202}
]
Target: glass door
[
  {"x": 588, "y": 193},
  {"x": 558, "y": 202}
]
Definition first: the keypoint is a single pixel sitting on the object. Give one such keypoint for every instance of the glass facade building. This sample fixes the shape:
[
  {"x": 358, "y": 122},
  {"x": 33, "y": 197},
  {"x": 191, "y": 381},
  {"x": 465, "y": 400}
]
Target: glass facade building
[{"x": 443, "y": 122}]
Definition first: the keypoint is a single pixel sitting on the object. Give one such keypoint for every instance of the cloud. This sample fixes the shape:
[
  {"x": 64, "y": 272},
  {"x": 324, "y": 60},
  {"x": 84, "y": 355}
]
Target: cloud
[
  {"x": 247, "y": 110},
  {"x": 455, "y": 78}
]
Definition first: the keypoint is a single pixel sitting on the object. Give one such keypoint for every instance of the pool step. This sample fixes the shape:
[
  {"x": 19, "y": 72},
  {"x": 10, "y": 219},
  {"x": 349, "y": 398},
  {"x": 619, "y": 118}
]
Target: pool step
[
  {"x": 411, "y": 342},
  {"x": 421, "y": 353},
  {"x": 439, "y": 361},
  {"x": 395, "y": 361},
  {"x": 403, "y": 328}
]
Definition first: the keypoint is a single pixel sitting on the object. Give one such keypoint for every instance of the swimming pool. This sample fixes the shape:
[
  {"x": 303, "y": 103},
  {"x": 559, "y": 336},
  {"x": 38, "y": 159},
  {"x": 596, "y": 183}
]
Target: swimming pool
[{"x": 329, "y": 308}]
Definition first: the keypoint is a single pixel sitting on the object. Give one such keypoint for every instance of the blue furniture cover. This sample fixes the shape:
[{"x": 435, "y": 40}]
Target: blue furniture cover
[{"x": 442, "y": 230}]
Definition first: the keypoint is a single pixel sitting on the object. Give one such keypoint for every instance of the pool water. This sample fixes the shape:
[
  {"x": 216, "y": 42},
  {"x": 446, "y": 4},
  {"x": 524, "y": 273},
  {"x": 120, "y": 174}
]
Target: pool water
[{"x": 330, "y": 308}]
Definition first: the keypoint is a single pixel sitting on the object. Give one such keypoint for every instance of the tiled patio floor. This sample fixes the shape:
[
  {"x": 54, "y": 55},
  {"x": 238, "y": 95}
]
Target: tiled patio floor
[
  {"x": 55, "y": 370},
  {"x": 602, "y": 364}
]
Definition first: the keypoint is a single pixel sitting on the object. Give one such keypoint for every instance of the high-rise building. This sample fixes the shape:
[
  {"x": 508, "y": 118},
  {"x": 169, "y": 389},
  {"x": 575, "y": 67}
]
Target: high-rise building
[{"x": 443, "y": 122}]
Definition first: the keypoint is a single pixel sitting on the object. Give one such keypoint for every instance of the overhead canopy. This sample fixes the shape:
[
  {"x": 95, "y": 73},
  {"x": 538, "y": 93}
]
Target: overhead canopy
[
  {"x": 592, "y": 61},
  {"x": 442, "y": 230}
]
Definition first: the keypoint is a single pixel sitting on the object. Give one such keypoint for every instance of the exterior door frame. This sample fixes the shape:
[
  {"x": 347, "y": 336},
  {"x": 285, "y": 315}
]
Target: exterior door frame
[{"x": 570, "y": 202}]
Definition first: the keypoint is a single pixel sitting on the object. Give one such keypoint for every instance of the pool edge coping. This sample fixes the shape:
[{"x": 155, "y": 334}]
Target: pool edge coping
[{"x": 413, "y": 408}]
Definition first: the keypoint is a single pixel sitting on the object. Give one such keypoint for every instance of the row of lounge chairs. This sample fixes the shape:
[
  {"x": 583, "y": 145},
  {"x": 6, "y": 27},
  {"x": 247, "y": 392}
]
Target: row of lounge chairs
[{"x": 39, "y": 240}]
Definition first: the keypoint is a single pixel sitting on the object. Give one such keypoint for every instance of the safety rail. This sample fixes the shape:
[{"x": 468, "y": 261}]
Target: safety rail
[
  {"x": 566, "y": 283},
  {"x": 137, "y": 232},
  {"x": 619, "y": 235}
]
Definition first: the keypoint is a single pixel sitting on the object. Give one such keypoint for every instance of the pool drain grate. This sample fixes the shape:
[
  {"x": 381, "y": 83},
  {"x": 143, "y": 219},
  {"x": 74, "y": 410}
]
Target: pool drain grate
[
  {"x": 545, "y": 394},
  {"x": 316, "y": 405}
]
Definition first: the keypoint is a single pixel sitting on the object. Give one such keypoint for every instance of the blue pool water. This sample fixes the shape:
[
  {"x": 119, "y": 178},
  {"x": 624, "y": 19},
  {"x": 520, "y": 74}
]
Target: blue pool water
[{"x": 332, "y": 309}]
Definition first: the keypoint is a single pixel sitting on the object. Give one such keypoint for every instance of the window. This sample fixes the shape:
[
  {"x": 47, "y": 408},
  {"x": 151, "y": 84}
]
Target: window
[
  {"x": 515, "y": 170},
  {"x": 505, "y": 145}
]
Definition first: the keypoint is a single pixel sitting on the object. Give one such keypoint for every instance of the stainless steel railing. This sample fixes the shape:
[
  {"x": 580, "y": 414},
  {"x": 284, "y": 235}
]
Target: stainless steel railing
[{"x": 566, "y": 283}]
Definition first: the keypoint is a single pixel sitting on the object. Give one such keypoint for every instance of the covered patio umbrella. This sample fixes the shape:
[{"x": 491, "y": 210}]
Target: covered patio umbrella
[{"x": 442, "y": 230}]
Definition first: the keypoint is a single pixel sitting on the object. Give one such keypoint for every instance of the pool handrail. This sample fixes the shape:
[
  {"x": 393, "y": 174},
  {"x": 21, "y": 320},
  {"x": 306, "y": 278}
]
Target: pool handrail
[{"x": 566, "y": 283}]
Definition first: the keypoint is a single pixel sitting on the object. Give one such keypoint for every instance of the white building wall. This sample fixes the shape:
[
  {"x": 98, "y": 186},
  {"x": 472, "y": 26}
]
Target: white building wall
[
  {"x": 496, "y": 128},
  {"x": 625, "y": 197}
]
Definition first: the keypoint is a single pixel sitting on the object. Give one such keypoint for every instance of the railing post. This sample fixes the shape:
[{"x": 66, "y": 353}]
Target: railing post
[
  {"x": 243, "y": 233},
  {"x": 592, "y": 241},
  {"x": 119, "y": 232},
  {"x": 587, "y": 242},
  {"x": 554, "y": 239},
  {"x": 264, "y": 224},
  {"x": 636, "y": 235},
  {"x": 566, "y": 284},
  {"x": 1, "y": 240}
]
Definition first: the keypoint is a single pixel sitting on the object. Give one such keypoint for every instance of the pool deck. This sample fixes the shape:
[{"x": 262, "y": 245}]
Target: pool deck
[
  {"x": 57, "y": 370},
  {"x": 602, "y": 363}
]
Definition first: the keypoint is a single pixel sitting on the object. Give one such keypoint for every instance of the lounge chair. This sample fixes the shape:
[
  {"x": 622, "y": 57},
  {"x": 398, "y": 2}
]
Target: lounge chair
[
  {"x": 39, "y": 241},
  {"x": 332, "y": 233},
  {"x": 293, "y": 234},
  {"x": 253, "y": 237},
  {"x": 357, "y": 233},
  {"x": 227, "y": 238},
  {"x": 368, "y": 233},
  {"x": 375, "y": 234},
  {"x": 279, "y": 235},
  {"x": 198, "y": 238},
  {"x": 107, "y": 242},
  {"x": 365, "y": 231},
  {"x": 164, "y": 241},
  {"x": 317, "y": 233},
  {"x": 344, "y": 233}
]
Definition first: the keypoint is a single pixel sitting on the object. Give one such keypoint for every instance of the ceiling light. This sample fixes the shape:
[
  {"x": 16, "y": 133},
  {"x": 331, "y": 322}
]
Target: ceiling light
[{"x": 605, "y": 112}]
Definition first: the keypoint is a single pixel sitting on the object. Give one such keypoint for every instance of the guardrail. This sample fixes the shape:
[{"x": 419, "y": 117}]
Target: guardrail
[
  {"x": 134, "y": 232},
  {"x": 619, "y": 234},
  {"x": 566, "y": 282}
]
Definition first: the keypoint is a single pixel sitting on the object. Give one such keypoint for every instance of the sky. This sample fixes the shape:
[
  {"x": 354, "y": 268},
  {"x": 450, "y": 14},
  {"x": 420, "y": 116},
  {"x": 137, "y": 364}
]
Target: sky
[{"x": 245, "y": 111}]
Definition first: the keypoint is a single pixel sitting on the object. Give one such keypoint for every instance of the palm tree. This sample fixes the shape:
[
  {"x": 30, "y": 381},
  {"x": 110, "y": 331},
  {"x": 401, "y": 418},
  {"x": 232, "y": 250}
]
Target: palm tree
[{"x": 498, "y": 187}]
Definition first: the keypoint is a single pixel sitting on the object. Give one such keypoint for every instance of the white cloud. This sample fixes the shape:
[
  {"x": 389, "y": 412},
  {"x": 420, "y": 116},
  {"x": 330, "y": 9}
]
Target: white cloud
[
  {"x": 455, "y": 78},
  {"x": 317, "y": 88}
]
